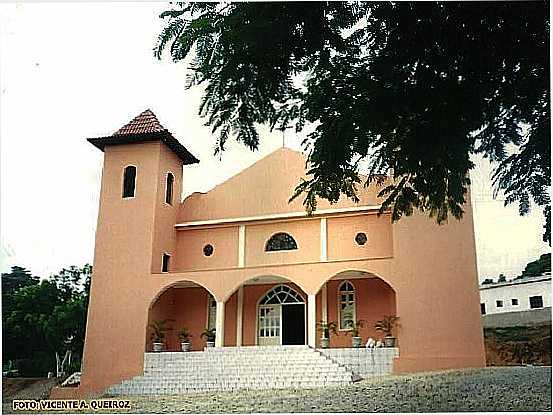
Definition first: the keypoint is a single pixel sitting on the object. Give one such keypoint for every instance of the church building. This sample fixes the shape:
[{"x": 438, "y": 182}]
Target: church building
[{"x": 245, "y": 262}]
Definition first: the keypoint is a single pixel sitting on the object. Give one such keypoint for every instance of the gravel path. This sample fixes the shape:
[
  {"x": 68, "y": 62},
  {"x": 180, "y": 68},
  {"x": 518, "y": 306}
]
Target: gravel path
[
  {"x": 521, "y": 389},
  {"x": 490, "y": 389}
]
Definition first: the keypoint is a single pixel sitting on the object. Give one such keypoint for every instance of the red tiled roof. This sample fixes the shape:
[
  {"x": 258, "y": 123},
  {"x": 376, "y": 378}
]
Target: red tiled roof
[
  {"x": 143, "y": 128},
  {"x": 145, "y": 122}
]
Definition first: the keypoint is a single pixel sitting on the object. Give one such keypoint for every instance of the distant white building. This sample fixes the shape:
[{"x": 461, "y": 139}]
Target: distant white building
[{"x": 515, "y": 296}]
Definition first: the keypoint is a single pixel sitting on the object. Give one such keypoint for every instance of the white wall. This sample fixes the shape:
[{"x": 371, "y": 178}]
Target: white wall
[{"x": 522, "y": 292}]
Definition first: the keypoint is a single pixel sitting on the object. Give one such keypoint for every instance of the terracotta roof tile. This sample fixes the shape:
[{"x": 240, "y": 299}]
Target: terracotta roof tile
[
  {"x": 145, "y": 122},
  {"x": 143, "y": 128}
]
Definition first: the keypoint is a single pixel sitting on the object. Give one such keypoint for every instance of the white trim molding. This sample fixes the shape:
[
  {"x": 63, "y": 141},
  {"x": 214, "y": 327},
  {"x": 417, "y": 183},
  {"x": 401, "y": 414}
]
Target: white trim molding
[
  {"x": 239, "y": 315},
  {"x": 324, "y": 250},
  {"x": 278, "y": 216},
  {"x": 220, "y": 324},
  {"x": 241, "y": 246},
  {"x": 324, "y": 303},
  {"x": 311, "y": 320}
]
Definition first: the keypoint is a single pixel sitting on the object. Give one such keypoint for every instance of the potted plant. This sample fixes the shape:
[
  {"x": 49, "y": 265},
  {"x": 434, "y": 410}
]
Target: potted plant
[
  {"x": 353, "y": 330},
  {"x": 326, "y": 328},
  {"x": 386, "y": 326},
  {"x": 209, "y": 336},
  {"x": 184, "y": 337},
  {"x": 159, "y": 329}
]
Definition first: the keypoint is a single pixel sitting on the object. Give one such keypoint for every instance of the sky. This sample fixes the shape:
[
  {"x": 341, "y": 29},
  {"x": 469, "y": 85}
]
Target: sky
[{"x": 72, "y": 71}]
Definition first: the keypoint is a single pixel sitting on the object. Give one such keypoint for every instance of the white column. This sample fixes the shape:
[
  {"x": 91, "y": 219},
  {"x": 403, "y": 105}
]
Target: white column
[
  {"x": 239, "y": 311},
  {"x": 311, "y": 320},
  {"x": 324, "y": 300},
  {"x": 324, "y": 251},
  {"x": 241, "y": 246},
  {"x": 220, "y": 324}
]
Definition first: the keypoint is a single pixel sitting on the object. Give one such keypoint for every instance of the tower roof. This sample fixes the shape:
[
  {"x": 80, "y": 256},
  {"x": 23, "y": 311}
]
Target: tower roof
[{"x": 143, "y": 128}]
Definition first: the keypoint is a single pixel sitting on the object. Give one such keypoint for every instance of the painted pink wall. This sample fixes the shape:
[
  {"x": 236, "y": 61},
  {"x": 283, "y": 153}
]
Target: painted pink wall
[
  {"x": 283, "y": 170},
  {"x": 190, "y": 244},
  {"x": 342, "y": 231}
]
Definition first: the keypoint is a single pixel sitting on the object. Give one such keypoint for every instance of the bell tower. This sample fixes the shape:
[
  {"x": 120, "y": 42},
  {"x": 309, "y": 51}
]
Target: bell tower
[
  {"x": 135, "y": 238},
  {"x": 140, "y": 194}
]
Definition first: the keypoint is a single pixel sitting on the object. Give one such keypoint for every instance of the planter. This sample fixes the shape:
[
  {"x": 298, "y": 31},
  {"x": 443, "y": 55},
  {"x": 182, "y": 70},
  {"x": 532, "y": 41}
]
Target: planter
[
  {"x": 389, "y": 341},
  {"x": 325, "y": 343},
  {"x": 185, "y": 346},
  {"x": 356, "y": 342},
  {"x": 209, "y": 344},
  {"x": 158, "y": 347}
]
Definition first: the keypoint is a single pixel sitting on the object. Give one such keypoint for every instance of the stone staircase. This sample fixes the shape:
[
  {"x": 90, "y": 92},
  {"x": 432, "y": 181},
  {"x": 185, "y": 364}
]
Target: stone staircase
[{"x": 234, "y": 368}]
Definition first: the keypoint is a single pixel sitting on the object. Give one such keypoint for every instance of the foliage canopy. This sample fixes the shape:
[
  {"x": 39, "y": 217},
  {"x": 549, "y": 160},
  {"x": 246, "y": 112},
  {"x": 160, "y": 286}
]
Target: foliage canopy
[
  {"x": 44, "y": 317},
  {"x": 414, "y": 88}
]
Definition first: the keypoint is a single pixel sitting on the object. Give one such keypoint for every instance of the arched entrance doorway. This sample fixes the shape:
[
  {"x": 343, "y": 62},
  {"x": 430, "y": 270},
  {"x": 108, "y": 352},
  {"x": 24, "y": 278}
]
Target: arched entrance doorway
[
  {"x": 183, "y": 305},
  {"x": 281, "y": 317}
]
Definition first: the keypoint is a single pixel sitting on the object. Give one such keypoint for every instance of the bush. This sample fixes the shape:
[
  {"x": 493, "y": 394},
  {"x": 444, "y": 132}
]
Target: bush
[{"x": 37, "y": 366}]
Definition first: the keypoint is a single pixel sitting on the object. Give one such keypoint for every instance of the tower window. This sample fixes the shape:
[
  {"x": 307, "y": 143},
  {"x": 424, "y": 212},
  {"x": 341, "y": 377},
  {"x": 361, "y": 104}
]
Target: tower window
[
  {"x": 169, "y": 188},
  {"x": 165, "y": 263},
  {"x": 482, "y": 308},
  {"x": 129, "y": 181},
  {"x": 281, "y": 242}
]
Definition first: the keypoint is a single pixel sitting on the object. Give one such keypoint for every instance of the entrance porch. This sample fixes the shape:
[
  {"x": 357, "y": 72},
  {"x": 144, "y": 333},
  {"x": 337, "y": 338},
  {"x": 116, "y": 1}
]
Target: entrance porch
[{"x": 272, "y": 310}]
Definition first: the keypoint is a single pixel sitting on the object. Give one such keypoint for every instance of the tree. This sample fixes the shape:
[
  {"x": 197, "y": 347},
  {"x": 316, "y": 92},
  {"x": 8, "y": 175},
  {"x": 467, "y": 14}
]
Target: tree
[
  {"x": 412, "y": 88},
  {"x": 19, "y": 277},
  {"x": 47, "y": 317},
  {"x": 538, "y": 267}
]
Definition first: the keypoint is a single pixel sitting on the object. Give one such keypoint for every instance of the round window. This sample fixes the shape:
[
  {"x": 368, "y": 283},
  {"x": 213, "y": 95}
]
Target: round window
[
  {"x": 208, "y": 250},
  {"x": 361, "y": 238}
]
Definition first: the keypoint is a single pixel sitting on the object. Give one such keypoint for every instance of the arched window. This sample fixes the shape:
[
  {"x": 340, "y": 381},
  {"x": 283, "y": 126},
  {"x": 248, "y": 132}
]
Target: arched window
[
  {"x": 282, "y": 294},
  {"x": 169, "y": 188},
  {"x": 280, "y": 242},
  {"x": 346, "y": 305},
  {"x": 129, "y": 181}
]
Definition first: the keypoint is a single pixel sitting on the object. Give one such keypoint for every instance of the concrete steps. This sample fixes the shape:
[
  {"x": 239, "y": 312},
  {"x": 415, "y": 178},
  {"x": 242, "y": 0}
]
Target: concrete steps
[{"x": 234, "y": 368}]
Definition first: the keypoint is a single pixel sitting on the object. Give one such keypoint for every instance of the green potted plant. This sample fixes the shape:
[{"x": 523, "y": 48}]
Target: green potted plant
[
  {"x": 209, "y": 336},
  {"x": 353, "y": 330},
  {"x": 184, "y": 336},
  {"x": 386, "y": 326},
  {"x": 326, "y": 328},
  {"x": 159, "y": 328}
]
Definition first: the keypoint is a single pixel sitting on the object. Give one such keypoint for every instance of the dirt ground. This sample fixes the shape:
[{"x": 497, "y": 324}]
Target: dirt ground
[
  {"x": 26, "y": 388},
  {"x": 499, "y": 389}
]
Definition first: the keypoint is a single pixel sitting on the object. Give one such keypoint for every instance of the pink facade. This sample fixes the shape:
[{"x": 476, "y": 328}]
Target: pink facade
[{"x": 415, "y": 269}]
